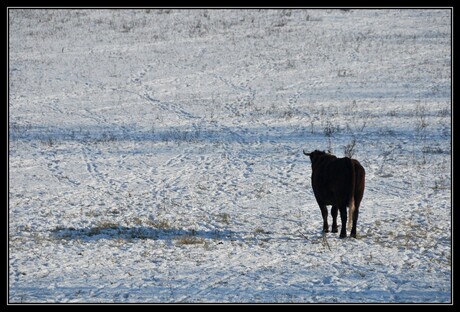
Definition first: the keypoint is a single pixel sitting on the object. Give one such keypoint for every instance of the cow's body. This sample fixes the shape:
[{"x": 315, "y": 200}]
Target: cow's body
[{"x": 338, "y": 182}]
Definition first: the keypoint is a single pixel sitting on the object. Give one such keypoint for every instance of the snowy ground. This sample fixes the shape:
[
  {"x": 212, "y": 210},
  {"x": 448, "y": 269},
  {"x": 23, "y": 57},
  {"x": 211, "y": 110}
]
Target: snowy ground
[{"x": 155, "y": 156}]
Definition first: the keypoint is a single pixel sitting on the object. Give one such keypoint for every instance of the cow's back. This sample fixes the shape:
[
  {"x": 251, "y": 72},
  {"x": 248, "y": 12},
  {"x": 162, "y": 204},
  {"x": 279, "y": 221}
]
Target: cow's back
[{"x": 332, "y": 180}]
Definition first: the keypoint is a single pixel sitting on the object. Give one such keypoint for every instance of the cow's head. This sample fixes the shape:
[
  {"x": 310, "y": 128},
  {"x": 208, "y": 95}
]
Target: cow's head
[{"x": 315, "y": 155}]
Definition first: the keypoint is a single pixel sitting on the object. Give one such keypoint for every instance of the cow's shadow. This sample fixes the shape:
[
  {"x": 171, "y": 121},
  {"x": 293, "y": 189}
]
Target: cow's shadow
[
  {"x": 186, "y": 236},
  {"x": 112, "y": 232}
]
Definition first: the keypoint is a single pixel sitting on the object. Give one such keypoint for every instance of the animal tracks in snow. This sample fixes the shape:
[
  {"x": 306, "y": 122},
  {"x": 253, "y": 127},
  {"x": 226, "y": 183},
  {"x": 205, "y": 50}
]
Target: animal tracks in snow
[{"x": 155, "y": 156}]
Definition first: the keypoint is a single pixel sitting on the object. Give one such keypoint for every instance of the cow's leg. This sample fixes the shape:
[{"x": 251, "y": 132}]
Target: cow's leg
[
  {"x": 324, "y": 214},
  {"x": 334, "y": 213},
  {"x": 355, "y": 221},
  {"x": 343, "y": 217}
]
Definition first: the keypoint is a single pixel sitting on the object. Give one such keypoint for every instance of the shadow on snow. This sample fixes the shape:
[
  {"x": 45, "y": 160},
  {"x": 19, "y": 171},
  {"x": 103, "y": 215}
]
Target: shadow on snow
[
  {"x": 88, "y": 134},
  {"x": 114, "y": 232}
]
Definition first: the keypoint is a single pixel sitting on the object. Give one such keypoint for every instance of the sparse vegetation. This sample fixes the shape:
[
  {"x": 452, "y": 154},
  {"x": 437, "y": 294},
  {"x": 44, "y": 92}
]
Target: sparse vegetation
[
  {"x": 329, "y": 131},
  {"x": 101, "y": 227},
  {"x": 189, "y": 240},
  {"x": 155, "y": 154},
  {"x": 224, "y": 218},
  {"x": 349, "y": 149},
  {"x": 160, "y": 224},
  {"x": 260, "y": 230}
]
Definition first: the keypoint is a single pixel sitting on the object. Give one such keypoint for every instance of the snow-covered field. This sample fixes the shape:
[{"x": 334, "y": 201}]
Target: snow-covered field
[{"x": 155, "y": 156}]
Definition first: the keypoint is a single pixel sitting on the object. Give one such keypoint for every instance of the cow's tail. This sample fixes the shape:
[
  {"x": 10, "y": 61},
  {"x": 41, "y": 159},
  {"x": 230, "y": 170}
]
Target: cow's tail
[
  {"x": 351, "y": 211},
  {"x": 351, "y": 205}
]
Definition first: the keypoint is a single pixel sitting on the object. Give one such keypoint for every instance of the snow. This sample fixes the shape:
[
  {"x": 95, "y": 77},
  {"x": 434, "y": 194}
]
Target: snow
[{"x": 155, "y": 156}]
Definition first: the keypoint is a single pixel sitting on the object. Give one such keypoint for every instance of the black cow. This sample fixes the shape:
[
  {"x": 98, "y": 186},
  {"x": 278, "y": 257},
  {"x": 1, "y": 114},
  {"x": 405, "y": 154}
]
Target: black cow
[{"x": 338, "y": 182}]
